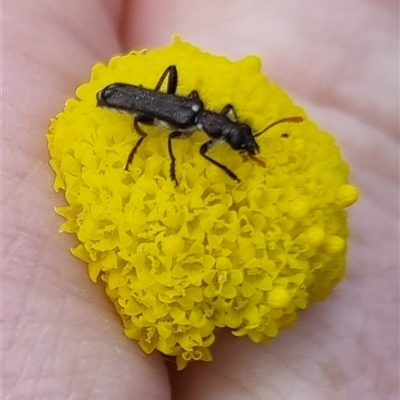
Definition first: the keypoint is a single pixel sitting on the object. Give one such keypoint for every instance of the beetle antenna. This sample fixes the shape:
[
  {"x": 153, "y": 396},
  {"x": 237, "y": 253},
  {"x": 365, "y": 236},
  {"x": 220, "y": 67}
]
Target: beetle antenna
[{"x": 289, "y": 119}]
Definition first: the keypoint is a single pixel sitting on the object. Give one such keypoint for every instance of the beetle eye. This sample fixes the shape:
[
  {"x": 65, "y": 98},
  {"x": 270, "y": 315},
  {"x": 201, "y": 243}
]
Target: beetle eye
[{"x": 235, "y": 140}]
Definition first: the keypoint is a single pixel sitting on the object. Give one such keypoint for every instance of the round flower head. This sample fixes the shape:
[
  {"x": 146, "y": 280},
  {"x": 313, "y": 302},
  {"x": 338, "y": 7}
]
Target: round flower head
[{"x": 180, "y": 261}]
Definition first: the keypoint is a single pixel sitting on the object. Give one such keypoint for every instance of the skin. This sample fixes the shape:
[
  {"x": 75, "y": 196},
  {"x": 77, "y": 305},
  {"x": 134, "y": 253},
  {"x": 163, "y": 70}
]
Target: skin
[{"x": 61, "y": 336}]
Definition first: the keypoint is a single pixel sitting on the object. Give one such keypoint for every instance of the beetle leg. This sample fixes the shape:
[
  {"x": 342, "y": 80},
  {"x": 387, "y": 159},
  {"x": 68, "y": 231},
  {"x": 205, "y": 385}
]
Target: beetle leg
[
  {"x": 172, "y": 80},
  {"x": 175, "y": 135},
  {"x": 194, "y": 94},
  {"x": 205, "y": 147},
  {"x": 144, "y": 119},
  {"x": 228, "y": 109}
]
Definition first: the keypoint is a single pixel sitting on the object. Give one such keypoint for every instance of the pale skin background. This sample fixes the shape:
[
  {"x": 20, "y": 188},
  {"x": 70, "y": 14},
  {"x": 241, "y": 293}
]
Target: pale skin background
[{"x": 61, "y": 336}]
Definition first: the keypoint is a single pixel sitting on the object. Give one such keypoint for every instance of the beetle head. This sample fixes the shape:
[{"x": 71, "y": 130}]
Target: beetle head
[{"x": 241, "y": 138}]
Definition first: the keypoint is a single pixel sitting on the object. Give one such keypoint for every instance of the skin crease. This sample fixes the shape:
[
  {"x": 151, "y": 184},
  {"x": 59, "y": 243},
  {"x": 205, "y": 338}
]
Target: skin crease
[{"x": 61, "y": 336}]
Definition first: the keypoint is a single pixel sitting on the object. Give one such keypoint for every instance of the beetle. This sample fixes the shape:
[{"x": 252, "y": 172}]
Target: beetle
[{"x": 184, "y": 115}]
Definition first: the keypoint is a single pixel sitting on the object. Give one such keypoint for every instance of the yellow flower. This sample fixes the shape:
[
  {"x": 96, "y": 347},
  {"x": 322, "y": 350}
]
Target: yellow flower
[{"x": 180, "y": 261}]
